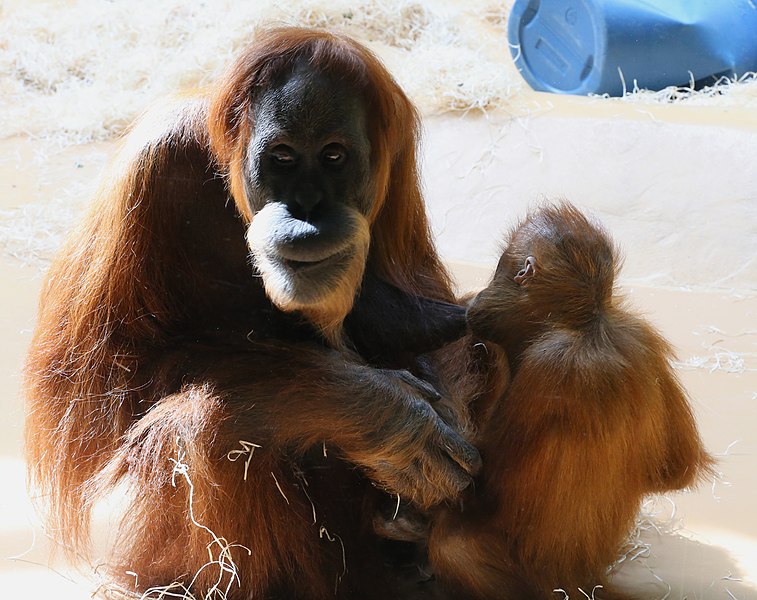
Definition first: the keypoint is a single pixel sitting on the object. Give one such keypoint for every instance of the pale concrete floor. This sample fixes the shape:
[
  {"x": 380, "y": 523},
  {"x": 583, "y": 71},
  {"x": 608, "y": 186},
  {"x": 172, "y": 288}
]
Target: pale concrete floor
[{"x": 712, "y": 554}]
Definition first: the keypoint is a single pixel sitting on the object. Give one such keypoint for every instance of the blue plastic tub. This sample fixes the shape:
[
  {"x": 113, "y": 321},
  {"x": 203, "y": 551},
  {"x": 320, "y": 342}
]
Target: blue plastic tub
[{"x": 608, "y": 46}]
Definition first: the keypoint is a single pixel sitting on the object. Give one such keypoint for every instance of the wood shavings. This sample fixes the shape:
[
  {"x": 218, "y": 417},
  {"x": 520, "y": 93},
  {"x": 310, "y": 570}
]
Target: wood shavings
[
  {"x": 738, "y": 91},
  {"x": 219, "y": 551},
  {"x": 29, "y": 236},
  {"x": 247, "y": 450},
  {"x": 566, "y": 596},
  {"x": 70, "y": 72},
  {"x": 658, "y": 515},
  {"x": 397, "y": 508},
  {"x": 323, "y": 532},
  {"x": 725, "y": 361},
  {"x": 278, "y": 486}
]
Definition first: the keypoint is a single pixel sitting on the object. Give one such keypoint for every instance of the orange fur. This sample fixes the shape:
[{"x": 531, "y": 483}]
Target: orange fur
[
  {"x": 593, "y": 419},
  {"x": 147, "y": 350},
  {"x": 157, "y": 353}
]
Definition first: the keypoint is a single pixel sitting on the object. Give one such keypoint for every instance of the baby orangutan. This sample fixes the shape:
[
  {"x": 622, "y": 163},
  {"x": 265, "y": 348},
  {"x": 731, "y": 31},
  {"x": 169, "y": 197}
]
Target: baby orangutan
[{"x": 592, "y": 421}]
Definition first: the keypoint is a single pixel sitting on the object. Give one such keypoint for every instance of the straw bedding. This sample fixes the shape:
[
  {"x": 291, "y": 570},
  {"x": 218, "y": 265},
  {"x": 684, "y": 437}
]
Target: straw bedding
[{"x": 80, "y": 71}]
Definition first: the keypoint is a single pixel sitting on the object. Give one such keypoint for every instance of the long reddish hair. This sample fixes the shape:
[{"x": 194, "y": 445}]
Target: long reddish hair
[
  {"x": 402, "y": 247},
  {"x": 110, "y": 301}
]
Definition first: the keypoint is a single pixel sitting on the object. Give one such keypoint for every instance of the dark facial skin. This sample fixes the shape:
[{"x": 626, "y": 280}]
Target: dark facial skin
[
  {"x": 308, "y": 174},
  {"x": 310, "y": 148}
]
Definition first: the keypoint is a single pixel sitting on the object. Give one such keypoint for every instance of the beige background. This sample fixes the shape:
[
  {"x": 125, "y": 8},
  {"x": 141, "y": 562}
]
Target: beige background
[
  {"x": 675, "y": 184},
  {"x": 703, "y": 544}
]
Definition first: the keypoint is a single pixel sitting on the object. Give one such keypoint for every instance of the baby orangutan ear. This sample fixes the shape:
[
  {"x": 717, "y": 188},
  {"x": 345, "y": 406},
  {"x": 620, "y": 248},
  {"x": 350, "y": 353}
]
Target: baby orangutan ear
[{"x": 524, "y": 276}]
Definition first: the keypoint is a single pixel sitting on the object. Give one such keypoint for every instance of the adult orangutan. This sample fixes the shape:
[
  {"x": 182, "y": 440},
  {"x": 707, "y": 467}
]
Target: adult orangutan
[{"x": 164, "y": 357}]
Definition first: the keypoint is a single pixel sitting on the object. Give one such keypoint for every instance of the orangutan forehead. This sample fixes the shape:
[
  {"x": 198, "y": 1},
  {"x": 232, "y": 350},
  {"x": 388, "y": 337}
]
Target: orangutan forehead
[{"x": 311, "y": 105}]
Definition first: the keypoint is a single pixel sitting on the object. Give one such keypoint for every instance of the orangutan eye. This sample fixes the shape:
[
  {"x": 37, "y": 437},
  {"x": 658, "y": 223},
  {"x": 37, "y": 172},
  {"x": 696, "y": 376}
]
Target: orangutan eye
[
  {"x": 334, "y": 154},
  {"x": 283, "y": 155}
]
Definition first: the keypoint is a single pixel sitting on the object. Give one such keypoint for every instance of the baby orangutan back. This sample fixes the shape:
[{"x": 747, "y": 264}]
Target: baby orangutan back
[{"x": 593, "y": 419}]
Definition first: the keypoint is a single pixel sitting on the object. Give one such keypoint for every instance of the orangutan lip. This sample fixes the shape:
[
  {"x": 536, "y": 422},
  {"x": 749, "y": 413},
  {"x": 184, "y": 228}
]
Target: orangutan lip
[{"x": 301, "y": 266}]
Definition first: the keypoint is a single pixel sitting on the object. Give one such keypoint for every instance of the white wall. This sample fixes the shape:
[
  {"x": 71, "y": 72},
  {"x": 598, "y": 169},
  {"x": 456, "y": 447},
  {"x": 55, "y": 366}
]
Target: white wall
[{"x": 676, "y": 186}]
